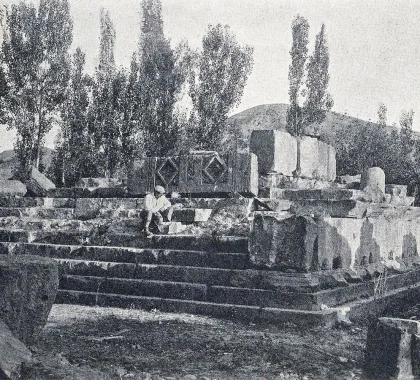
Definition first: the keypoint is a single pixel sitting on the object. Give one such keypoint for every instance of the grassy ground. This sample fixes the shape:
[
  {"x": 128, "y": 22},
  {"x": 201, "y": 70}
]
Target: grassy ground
[{"x": 105, "y": 343}]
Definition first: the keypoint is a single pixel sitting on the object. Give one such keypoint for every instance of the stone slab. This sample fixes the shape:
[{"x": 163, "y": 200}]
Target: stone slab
[{"x": 13, "y": 354}]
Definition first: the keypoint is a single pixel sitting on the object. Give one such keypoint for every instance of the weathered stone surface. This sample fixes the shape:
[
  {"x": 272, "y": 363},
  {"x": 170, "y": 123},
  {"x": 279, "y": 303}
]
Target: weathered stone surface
[
  {"x": 87, "y": 208},
  {"x": 396, "y": 190},
  {"x": 196, "y": 174},
  {"x": 28, "y": 286},
  {"x": 317, "y": 159},
  {"x": 13, "y": 353},
  {"x": 276, "y": 151},
  {"x": 373, "y": 179},
  {"x": 392, "y": 350},
  {"x": 283, "y": 240},
  {"x": 38, "y": 184},
  {"x": 12, "y": 188}
]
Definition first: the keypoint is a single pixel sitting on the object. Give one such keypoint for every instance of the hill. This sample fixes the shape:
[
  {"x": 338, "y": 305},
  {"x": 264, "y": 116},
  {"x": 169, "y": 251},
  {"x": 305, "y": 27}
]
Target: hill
[
  {"x": 8, "y": 161},
  {"x": 273, "y": 116}
]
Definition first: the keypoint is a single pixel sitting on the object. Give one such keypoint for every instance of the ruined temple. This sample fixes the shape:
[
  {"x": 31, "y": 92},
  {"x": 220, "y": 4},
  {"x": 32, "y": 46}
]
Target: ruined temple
[{"x": 252, "y": 238}]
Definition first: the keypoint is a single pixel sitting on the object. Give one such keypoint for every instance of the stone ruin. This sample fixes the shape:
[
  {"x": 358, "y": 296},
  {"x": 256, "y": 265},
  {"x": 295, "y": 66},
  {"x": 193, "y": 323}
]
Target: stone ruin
[{"x": 249, "y": 239}]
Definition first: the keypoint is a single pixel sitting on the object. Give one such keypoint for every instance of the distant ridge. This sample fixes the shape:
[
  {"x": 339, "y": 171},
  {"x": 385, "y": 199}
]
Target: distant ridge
[{"x": 273, "y": 116}]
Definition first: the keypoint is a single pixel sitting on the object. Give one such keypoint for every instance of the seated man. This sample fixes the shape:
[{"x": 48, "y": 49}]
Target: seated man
[{"x": 158, "y": 209}]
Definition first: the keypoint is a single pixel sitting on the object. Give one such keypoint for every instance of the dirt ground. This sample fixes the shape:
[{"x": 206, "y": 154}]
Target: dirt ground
[{"x": 106, "y": 343}]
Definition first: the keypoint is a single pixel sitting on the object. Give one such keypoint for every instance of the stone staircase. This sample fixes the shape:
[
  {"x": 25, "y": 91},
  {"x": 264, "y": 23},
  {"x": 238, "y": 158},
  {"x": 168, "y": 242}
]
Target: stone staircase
[{"x": 105, "y": 260}]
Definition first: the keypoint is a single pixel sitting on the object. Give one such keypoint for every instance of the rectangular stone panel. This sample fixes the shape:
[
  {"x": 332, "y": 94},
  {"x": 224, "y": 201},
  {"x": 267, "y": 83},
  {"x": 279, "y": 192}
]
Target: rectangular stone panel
[{"x": 196, "y": 174}]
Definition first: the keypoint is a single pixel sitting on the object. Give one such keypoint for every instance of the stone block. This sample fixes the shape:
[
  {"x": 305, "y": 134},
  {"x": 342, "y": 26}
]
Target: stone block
[
  {"x": 276, "y": 151},
  {"x": 396, "y": 190},
  {"x": 282, "y": 241},
  {"x": 38, "y": 184},
  {"x": 392, "y": 350},
  {"x": 13, "y": 354},
  {"x": 317, "y": 159},
  {"x": 192, "y": 215},
  {"x": 28, "y": 286},
  {"x": 338, "y": 209},
  {"x": 12, "y": 188}
]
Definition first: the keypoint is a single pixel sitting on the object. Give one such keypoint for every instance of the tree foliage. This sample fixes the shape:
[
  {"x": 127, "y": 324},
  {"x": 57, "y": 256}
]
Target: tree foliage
[
  {"x": 299, "y": 55},
  {"x": 74, "y": 158},
  {"x": 37, "y": 71},
  {"x": 223, "y": 68},
  {"x": 157, "y": 83}
]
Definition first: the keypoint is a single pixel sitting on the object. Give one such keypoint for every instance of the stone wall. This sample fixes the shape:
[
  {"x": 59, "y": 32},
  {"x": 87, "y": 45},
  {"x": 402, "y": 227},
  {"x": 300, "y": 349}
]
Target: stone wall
[
  {"x": 308, "y": 243},
  {"x": 197, "y": 174}
]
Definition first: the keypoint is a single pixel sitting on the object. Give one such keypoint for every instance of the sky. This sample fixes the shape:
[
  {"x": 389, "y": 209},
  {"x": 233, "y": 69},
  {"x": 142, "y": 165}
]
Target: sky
[{"x": 373, "y": 44}]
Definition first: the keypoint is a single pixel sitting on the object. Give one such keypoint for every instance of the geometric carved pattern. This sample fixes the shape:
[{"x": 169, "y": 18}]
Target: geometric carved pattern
[
  {"x": 167, "y": 173},
  {"x": 215, "y": 171}
]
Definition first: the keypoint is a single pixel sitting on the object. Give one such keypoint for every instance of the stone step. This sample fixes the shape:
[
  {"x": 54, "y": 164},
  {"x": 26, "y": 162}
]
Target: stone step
[
  {"x": 148, "y": 288},
  {"x": 38, "y": 212},
  {"x": 255, "y": 314},
  {"x": 186, "y": 290},
  {"x": 34, "y": 224},
  {"x": 135, "y": 240},
  {"x": 162, "y": 272},
  {"x": 36, "y": 201},
  {"x": 222, "y": 285},
  {"x": 124, "y": 255}
]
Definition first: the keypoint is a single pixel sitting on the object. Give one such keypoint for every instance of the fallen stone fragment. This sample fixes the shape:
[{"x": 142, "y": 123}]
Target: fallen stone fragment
[
  {"x": 13, "y": 353},
  {"x": 28, "y": 286},
  {"x": 38, "y": 184}
]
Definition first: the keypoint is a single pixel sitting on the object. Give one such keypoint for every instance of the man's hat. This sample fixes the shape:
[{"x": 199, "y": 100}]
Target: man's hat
[{"x": 160, "y": 189}]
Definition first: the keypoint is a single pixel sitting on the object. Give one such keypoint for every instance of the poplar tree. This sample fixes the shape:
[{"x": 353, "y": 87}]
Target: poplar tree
[
  {"x": 223, "y": 68},
  {"x": 37, "y": 69},
  {"x": 107, "y": 102},
  {"x": 299, "y": 55},
  {"x": 382, "y": 110},
  {"x": 318, "y": 101},
  {"x": 73, "y": 158},
  {"x": 157, "y": 83}
]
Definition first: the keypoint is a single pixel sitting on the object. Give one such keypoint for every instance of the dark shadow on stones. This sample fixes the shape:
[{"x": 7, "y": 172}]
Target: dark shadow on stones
[
  {"x": 409, "y": 247},
  {"x": 369, "y": 250}
]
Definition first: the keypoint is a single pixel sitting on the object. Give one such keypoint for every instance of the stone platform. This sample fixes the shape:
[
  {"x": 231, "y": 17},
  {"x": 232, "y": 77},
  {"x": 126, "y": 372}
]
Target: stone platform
[{"x": 105, "y": 259}]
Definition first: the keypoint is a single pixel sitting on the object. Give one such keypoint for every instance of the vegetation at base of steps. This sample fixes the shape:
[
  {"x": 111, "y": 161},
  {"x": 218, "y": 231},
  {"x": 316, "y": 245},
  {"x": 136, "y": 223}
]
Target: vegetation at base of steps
[{"x": 109, "y": 343}]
